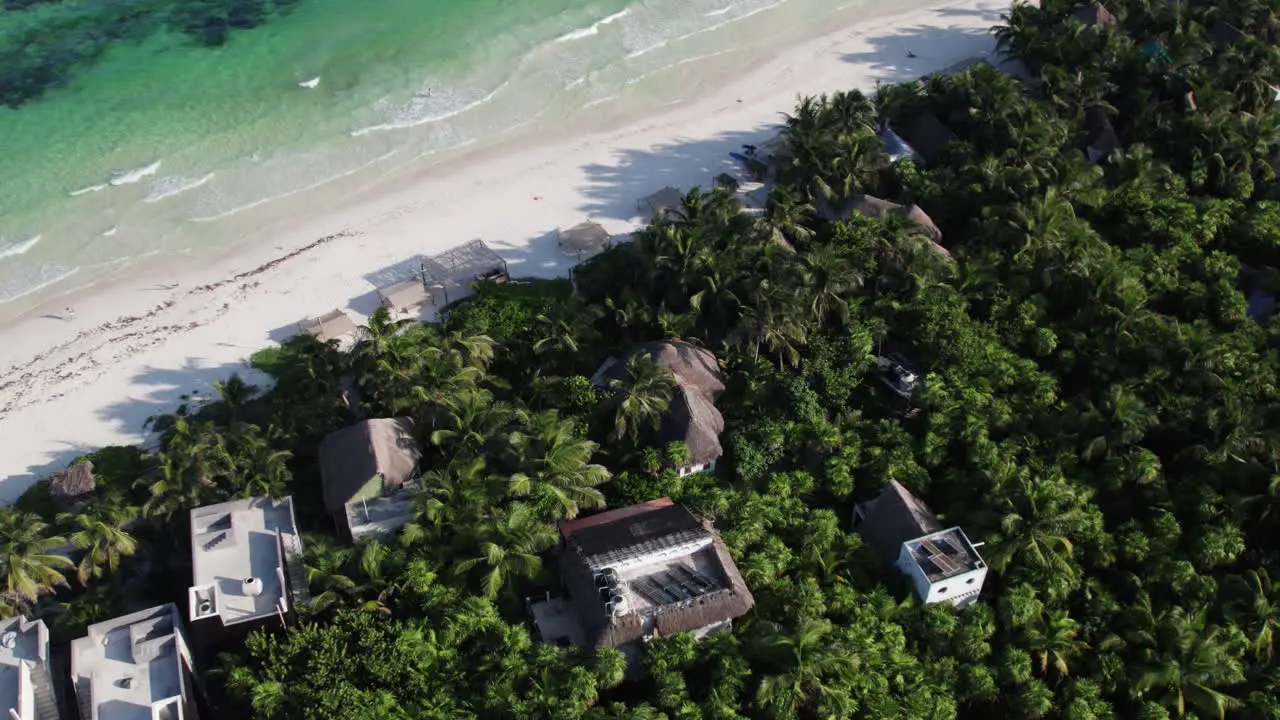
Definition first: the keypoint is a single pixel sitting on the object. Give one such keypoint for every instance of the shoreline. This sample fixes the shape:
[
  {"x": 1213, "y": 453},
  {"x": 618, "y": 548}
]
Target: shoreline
[{"x": 137, "y": 344}]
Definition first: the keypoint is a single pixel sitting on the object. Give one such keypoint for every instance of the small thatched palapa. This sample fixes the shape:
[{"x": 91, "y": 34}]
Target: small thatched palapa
[
  {"x": 586, "y": 237},
  {"x": 893, "y": 518},
  {"x": 407, "y": 296},
  {"x": 365, "y": 460},
  {"x": 1102, "y": 137},
  {"x": 1094, "y": 14},
  {"x": 73, "y": 485},
  {"x": 668, "y": 198},
  {"x": 330, "y": 326},
  {"x": 692, "y": 416},
  {"x": 655, "y": 528},
  {"x": 1224, "y": 33},
  {"x": 928, "y": 135}
]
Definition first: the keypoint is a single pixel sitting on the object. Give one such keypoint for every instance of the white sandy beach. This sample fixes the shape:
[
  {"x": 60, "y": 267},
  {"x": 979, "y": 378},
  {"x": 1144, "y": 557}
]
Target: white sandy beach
[{"x": 69, "y": 386}]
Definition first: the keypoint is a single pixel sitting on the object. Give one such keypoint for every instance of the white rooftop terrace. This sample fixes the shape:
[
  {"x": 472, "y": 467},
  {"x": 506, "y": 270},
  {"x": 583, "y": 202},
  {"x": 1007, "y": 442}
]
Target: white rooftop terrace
[
  {"x": 130, "y": 667},
  {"x": 239, "y": 551},
  {"x": 24, "y": 645}
]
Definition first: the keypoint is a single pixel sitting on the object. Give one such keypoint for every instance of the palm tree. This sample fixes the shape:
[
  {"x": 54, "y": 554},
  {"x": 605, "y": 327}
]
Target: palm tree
[
  {"x": 1052, "y": 641},
  {"x": 641, "y": 396},
  {"x": 802, "y": 663},
  {"x": 508, "y": 547},
  {"x": 830, "y": 279},
  {"x": 556, "y": 469},
  {"x": 100, "y": 531},
  {"x": 233, "y": 394},
  {"x": 258, "y": 469},
  {"x": 787, "y": 216},
  {"x": 326, "y": 562},
  {"x": 27, "y": 557},
  {"x": 1256, "y": 609},
  {"x": 468, "y": 420},
  {"x": 450, "y": 498},
  {"x": 1185, "y": 661},
  {"x": 1036, "y": 518}
]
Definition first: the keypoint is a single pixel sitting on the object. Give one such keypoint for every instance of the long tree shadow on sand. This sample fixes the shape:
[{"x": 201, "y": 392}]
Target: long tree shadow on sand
[{"x": 934, "y": 48}]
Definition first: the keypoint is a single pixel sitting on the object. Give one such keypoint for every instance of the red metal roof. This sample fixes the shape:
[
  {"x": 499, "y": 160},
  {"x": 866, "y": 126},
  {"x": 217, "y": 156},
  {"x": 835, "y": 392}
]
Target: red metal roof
[{"x": 569, "y": 527}]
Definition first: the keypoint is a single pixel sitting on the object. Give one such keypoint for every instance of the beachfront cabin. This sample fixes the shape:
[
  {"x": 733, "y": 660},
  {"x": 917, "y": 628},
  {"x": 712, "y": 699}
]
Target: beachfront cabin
[
  {"x": 135, "y": 666},
  {"x": 1093, "y": 16},
  {"x": 1101, "y": 135},
  {"x": 928, "y": 135},
  {"x": 246, "y": 565},
  {"x": 640, "y": 572},
  {"x": 942, "y": 564},
  {"x": 585, "y": 238},
  {"x": 405, "y": 298},
  {"x": 334, "y": 325},
  {"x": 450, "y": 275},
  {"x": 692, "y": 417},
  {"x": 369, "y": 476},
  {"x": 666, "y": 200},
  {"x": 27, "y": 690}
]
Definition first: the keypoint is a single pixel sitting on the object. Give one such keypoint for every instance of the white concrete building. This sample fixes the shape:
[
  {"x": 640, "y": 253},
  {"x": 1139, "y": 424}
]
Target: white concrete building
[
  {"x": 136, "y": 667},
  {"x": 943, "y": 565},
  {"x": 246, "y": 561},
  {"x": 26, "y": 688}
]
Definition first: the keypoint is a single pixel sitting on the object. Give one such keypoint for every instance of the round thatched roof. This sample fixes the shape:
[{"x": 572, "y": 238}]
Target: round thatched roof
[{"x": 73, "y": 484}]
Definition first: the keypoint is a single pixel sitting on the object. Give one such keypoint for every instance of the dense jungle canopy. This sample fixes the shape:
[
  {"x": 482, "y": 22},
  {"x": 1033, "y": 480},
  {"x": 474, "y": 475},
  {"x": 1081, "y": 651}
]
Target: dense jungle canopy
[{"x": 1096, "y": 404}]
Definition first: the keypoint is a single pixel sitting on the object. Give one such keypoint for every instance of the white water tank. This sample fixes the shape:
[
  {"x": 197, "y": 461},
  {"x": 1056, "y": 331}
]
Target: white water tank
[{"x": 251, "y": 586}]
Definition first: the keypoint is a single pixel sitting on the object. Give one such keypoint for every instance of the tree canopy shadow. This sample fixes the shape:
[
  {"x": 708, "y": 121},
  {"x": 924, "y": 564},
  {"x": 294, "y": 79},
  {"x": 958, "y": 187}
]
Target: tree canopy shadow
[{"x": 934, "y": 48}]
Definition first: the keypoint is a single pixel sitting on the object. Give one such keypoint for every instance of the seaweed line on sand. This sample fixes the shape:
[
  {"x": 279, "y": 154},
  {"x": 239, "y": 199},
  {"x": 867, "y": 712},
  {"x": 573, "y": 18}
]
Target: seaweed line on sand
[{"x": 38, "y": 381}]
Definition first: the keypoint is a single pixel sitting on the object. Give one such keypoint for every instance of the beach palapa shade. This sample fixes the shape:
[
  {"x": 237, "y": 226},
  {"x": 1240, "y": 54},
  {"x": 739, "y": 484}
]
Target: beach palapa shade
[
  {"x": 583, "y": 238},
  {"x": 667, "y": 198},
  {"x": 405, "y": 296},
  {"x": 330, "y": 326}
]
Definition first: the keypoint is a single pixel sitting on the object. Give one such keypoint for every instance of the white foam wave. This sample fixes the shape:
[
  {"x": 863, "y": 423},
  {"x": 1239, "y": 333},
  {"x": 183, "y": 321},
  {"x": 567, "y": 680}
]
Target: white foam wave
[
  {"x": 438, "y": 150},
  {"x": 43, "y": 277},
  {"x": 16, "y": 249},
  {"x": 170, "y": 186},
  {"x": 594, "y": 29},
  {"x": 702, "y": 31},
  {"x": 128, "y": 177},
  {"x": 412, "y": 117},
  {"x": 87, "y": 190},
  {"x": 721, "y": 11},
  {"x": 281, "y": 196},
  {"x": 599, "y": 101},
  {"x": 110, "y": 231},
  {"x": 708, "y": 56}
]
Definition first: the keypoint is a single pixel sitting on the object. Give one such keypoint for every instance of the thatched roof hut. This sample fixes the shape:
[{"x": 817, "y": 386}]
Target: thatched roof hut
[
  {"x": 664, "y": 538},
  {"x": 585, "y": 237},
  {"x": 1102, "y": 137},
  {"x": 894, "y": 517},
  {"x": 1224, "y": 33},
  {"x": 330, "y": 326},
  {"x": 668, "y": 198},
  {"x": 928, "y": 135},
  {"x": 875, "y": 207},
  {"x": 1092, "y": 15},
  {"x": 364, "y": 460},
  {"x": 407, "y": 296},
  {"x": 72, "y": 486},
  {"x": 692, "y": 417}
]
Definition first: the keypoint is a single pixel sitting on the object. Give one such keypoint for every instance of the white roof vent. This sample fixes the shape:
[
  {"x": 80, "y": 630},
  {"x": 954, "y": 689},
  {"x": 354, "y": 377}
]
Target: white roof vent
[
  {"x": 252, "y": 586},
  {"x": 9, "y": 640}
]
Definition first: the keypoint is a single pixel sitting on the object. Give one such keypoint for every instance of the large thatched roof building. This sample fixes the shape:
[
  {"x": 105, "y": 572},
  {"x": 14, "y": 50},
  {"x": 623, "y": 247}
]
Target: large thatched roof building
[
  {"x": 875, "y": 207},
  {"x": 648, "y": 570},
  {"x": 366, "y": 470},
  {"x": 692, "y": 417},
  {"x": 1093, "y": 15}
]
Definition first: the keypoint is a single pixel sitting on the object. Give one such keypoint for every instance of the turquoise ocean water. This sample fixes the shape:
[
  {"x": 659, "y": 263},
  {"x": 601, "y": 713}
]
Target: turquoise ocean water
[{"x": 161, "y": 148}]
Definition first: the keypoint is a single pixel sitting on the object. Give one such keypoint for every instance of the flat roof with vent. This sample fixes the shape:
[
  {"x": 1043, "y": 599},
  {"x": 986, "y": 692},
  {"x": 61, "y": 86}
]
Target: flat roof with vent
[
  {"x": 131, "y": 667},
  {"x": 241, "y": 553},
  {"x": 24, "y": 646},
  {"x": 944, "y": 554}
]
